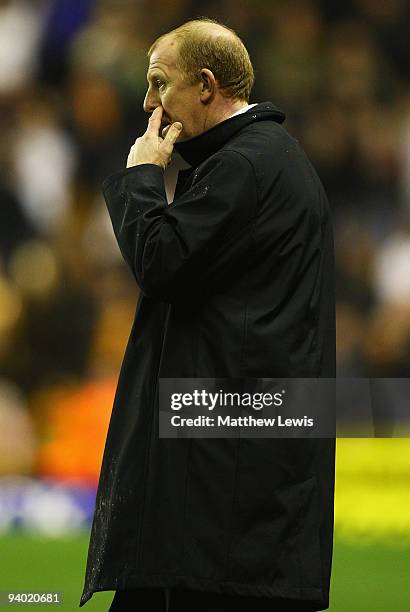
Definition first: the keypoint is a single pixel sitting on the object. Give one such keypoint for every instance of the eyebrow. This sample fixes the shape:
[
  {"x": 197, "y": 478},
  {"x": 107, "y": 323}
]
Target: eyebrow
[{"x": 154, "y": 73}]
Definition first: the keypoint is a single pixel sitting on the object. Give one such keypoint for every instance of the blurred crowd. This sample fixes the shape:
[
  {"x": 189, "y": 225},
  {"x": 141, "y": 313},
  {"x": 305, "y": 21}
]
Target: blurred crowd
[{"x": 72, "y": 82}]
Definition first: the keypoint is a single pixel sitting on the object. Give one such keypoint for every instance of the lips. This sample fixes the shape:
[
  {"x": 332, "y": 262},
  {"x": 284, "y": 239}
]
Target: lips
[{"x": 165, "y": 125}]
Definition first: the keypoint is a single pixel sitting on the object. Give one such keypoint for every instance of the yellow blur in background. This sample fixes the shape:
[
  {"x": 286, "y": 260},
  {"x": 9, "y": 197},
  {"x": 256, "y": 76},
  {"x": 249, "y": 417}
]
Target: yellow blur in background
[{"x": 372, "y": 499}]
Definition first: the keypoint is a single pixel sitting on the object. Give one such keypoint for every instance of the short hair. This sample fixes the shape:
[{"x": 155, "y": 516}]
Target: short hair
[{"x": 217, "y": 49}]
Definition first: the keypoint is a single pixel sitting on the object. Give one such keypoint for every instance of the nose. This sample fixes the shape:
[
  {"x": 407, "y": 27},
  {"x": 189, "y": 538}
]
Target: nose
[{"x": 151, "y": 100}]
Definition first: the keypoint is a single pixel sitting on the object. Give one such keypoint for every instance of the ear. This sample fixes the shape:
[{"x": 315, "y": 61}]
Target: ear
[{"x": 208, "y": 86}]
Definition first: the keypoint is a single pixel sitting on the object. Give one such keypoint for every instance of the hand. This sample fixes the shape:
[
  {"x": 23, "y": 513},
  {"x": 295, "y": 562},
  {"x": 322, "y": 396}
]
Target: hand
[{"x": 151, "y": 148}]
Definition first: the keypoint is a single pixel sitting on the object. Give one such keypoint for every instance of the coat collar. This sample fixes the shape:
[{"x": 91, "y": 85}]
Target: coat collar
[{"x": 195, "y": 150}]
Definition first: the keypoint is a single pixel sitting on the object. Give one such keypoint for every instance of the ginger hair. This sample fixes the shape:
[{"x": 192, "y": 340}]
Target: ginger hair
[{"x": 205, "y": 43}]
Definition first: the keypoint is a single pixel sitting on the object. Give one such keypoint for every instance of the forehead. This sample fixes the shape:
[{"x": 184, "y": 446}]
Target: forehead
[{"x": 164, "y": 55}]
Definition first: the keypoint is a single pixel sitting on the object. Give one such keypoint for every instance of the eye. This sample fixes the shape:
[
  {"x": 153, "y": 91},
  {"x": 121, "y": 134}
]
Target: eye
[{"x": 160, "y": 84}]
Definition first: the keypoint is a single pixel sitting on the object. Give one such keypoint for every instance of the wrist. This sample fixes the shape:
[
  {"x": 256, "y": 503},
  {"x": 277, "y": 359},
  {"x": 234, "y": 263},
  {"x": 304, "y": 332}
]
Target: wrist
[{"x": 146, "y": 161}]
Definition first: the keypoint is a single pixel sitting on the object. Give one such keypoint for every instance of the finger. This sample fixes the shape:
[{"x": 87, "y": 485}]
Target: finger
[
  {"x": 130, "y": 158},
  {"x": 154, "y": 122},
  {"x": 172, "y": 134}
]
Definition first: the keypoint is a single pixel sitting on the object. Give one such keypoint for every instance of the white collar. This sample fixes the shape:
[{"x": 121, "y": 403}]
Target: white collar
[{"x": 242, "y": 110}]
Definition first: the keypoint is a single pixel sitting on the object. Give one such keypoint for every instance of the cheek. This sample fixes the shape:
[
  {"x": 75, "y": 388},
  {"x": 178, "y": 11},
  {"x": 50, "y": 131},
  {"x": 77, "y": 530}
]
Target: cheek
[
  {"x": 168, "y": 106},
  {"x": 171, "y": 105}
]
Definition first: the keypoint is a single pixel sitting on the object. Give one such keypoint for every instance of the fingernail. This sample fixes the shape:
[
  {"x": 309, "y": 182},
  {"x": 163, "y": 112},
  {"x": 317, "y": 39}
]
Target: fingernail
[{"x": 178, "y": 125}]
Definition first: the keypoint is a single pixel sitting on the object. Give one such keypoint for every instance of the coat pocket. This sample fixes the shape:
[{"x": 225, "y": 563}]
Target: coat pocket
[
  {"x": 275, "y": 539},
  {"x": 304, "y": 544}
]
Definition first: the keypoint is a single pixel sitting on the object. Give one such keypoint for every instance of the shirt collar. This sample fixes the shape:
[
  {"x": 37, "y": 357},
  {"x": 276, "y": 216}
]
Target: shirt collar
[
  {"x": 244, "y": 109},
  {"x": 195, "y": 150}
]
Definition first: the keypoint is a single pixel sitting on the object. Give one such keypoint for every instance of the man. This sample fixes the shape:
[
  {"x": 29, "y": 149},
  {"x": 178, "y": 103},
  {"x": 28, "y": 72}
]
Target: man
[{"x": 236, "y": 280}]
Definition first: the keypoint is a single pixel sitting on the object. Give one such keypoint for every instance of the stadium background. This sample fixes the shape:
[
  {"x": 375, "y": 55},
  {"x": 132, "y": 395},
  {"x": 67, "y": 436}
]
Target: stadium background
[{"x": 72, "y": 81}]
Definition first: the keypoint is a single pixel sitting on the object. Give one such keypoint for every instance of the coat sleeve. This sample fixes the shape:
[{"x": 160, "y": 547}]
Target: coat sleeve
[{"x": 169, "y": 248}]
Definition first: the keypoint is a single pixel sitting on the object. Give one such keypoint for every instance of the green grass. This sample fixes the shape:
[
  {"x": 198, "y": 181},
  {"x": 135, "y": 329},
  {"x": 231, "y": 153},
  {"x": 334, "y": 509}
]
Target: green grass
[
  {"x": 372, "y": 577},
  {"x": 367, "y": 578},
  {"x": 34, "y": 564}
]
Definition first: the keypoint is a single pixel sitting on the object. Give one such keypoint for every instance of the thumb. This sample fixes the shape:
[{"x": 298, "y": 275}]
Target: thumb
[{"x": 173, "y": 133}]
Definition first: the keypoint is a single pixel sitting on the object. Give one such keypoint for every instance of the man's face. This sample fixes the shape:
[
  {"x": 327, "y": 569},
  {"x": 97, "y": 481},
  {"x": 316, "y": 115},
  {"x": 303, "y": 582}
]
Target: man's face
[{"x": 167, "y": 88}]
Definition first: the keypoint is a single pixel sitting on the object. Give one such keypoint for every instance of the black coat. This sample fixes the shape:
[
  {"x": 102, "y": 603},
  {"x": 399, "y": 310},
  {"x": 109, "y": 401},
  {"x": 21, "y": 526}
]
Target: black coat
[{"x": 236, "y": 280}]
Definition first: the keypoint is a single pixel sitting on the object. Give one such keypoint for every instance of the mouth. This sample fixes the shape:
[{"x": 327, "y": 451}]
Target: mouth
[{"x": 165, "y": 125}]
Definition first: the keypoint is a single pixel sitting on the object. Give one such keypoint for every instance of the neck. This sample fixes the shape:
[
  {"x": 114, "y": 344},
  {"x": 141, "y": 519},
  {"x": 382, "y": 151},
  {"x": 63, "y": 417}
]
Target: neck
[
  {"x": 221, "y": 110},
  {"x": 234, "y": 107}
]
